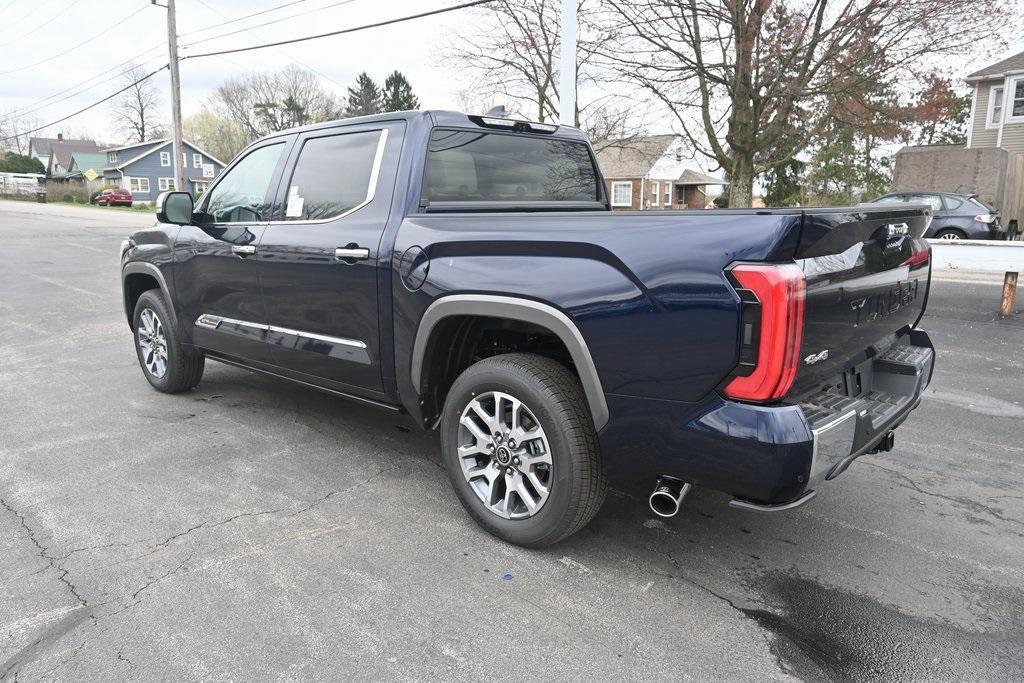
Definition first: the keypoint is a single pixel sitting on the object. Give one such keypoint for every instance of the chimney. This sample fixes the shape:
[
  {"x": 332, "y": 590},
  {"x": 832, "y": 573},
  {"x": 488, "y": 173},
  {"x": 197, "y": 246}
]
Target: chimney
[{"x": 60, "y": 137}]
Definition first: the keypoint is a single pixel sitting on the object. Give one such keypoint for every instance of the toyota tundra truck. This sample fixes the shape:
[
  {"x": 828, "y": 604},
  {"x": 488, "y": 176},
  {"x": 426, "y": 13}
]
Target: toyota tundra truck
[{"x": 468, "y": 272}]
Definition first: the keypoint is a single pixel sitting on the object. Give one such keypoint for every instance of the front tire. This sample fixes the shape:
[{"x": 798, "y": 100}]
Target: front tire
[
  {"x": 166, "y": 365},
  {"x": 521, "y": 450}
]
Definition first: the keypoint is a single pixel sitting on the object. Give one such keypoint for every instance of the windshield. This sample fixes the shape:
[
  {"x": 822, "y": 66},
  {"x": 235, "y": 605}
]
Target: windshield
[{"x": 467, "y": 166}]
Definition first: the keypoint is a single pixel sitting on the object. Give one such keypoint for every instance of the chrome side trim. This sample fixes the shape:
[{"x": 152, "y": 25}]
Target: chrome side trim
[
  {"x": 212, "y": 322},
  {"x": 526, "y": 310},
  {"x": 371, "y": 190}
]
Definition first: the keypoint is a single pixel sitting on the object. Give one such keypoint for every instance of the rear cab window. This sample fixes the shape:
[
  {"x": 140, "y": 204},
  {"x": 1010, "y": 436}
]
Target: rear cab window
[{"x": 507, "y": 170}]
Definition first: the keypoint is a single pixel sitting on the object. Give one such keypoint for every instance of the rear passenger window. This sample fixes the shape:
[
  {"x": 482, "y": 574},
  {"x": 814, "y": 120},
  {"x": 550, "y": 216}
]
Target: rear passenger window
[
  {"x": 333, "y": 175},
  {"x": 952, "y": 203},
  {"x": 931, "y": 200}
]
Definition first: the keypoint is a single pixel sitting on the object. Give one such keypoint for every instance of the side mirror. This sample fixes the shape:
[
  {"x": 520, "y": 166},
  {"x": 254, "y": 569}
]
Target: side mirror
[{"x": 175, "y": 208}]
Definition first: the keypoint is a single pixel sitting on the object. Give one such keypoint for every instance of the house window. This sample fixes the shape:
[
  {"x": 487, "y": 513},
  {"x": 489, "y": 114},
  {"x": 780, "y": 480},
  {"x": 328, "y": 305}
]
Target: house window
[
  {"x": 140, "y": 185},
  {"x": 668, "y": 194},
  {"x": 197, "y": 161},
  {"x": 208, "y": 171},
  {"x": 622, "y": 193},
  {"x": 111, "y": 157},
  {"x": 1017, "y": 101},
  {"x": 165, "y": 158},
  {"x": 200, "y": 187},
  {"x": 995, "y": 107},
  {"x": 654, "y": 191},
  {"x": 165, "y": 184}
]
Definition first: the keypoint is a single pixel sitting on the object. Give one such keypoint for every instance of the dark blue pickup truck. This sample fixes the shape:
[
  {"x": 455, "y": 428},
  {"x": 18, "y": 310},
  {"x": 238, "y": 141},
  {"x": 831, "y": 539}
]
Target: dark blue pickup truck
[{"x": 468, "y": 271}]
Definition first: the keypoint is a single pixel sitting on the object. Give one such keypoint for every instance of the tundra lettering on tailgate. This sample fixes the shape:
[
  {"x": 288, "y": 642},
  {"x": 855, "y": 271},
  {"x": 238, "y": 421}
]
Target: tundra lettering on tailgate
[{"x": 886, "y": 303}]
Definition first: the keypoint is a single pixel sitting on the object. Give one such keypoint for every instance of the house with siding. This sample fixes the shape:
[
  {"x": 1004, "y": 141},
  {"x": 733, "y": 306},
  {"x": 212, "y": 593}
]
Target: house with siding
[
  {"x": 654, "y": 172},
  {"x": 991, "y": 164},
  {"x": 42, "y": 149},
  {"x": 61, "y": 154},
  {"x": 146, "y": 168}
]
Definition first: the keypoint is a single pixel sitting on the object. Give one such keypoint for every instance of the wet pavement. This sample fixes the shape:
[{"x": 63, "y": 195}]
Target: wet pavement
[{"x": 251, "y": 529}]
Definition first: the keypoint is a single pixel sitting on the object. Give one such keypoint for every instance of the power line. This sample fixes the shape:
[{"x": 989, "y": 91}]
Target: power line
[
  {"x": 238, "y": 19},
  {"x": 32, "y": 108},
  {"x": 279, "y": 51},
  {"x": 87, "y": 108},
  {"x": 76, "y": 46},
  {"x": 343, "y": 31},
  {"x": 268, "y": 23},
  {"x": 25, "y": 34},
  {"x": 354, "y": 29}
]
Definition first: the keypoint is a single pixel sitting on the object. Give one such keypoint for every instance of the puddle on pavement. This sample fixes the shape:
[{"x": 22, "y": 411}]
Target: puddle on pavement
[{"x": 822, "y": 632}]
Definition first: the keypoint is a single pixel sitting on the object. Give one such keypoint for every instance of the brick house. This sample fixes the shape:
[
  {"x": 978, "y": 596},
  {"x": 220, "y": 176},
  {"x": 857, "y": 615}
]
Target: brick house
[
  {"x": 991, "y": 164},
  {"x": 653, "y": 172}
]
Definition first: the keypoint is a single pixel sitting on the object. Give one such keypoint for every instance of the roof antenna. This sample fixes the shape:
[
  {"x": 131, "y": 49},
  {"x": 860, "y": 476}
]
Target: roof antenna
[{"x": 497, "y": 112}]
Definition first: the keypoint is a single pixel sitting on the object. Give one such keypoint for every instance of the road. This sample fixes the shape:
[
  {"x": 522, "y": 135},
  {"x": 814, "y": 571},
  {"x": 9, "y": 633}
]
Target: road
[{"x": 253, "y": 530}]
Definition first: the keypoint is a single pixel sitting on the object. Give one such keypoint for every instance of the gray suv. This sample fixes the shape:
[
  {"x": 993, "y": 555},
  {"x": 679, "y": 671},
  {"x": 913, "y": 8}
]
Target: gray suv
[{"x": 954, "y": 216}]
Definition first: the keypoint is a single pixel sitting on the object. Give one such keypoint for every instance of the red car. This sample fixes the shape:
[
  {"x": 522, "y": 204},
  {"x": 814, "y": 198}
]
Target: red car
[{"x": 114, "y": 198}]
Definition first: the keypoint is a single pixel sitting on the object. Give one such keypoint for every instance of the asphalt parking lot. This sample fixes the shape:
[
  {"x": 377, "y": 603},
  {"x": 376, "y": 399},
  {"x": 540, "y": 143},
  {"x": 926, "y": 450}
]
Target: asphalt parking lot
[{"x": 254, "y": 530}]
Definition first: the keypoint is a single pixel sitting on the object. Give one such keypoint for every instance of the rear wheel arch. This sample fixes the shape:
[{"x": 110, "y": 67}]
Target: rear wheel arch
[{"x": 451, "y": 331}]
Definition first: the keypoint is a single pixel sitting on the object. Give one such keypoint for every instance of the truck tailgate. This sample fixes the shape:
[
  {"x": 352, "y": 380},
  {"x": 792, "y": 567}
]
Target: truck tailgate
[{"x": 867, "y": 275}]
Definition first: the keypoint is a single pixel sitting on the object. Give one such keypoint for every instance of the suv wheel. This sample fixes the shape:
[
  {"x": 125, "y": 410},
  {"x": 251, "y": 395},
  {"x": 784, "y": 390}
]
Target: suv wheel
[
  {"x": 520, "y": 448},
  {"x": 167, "y": 366},
  {"x": 950, "y": 234}
]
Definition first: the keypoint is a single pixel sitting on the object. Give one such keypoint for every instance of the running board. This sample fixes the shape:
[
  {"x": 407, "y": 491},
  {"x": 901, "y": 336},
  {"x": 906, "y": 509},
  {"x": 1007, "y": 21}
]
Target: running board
[
  {"x": 310, "y": 385},
  {"x": 759, "y": 507}
]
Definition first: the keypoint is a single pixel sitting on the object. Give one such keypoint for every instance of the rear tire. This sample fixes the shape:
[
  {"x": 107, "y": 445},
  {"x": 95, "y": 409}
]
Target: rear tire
[
  {"x": 166, "y": 365},
  {"x": 556, "y": 465},
  {"x": 950, "y": 234}
]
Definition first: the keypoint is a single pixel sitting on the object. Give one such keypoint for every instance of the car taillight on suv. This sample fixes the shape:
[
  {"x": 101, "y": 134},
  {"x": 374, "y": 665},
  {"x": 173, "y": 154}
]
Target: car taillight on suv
[{"x": 771, "y": 329}]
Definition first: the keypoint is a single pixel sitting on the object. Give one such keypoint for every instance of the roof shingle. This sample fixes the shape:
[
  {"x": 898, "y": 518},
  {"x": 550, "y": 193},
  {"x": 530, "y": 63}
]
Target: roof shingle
[{"x": 1012, "y": 63}]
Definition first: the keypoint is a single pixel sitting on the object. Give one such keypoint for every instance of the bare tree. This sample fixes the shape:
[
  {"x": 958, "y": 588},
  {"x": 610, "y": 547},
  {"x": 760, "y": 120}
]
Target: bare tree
[
  {"x": 514, "y": 54},
  {"x": 13, "y": 125},
  {"x": 137, "y": 110},
  {"x": 264, "y": 103},
  {"x": 753, "y": 82}
]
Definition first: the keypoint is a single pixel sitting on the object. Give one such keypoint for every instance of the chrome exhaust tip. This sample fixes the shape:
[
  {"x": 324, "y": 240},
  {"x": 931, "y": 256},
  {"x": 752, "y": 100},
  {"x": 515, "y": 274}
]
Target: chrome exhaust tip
[{"x": 668, "y": 496}]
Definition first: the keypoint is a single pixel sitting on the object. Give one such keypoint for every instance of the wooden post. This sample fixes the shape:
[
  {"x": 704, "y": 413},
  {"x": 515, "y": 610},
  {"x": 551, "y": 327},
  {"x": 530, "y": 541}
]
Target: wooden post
[{"x": 1009, "y": 295}]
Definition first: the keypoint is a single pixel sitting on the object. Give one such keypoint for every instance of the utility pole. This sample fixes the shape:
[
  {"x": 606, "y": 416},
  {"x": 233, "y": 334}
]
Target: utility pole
[
  {"x": 567, "y": 88},
  {"x": 177, "y": 146}
]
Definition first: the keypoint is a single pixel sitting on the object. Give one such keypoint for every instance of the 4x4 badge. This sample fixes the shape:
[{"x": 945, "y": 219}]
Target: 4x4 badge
[{"x": 816, "y": 357}]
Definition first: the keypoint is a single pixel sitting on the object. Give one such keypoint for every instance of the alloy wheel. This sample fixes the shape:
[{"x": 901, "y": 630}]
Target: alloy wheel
[
  {"x": 152, "y": 343},
  {"x": 505, "y": 455},
  {"x": 950, "y": 236}
]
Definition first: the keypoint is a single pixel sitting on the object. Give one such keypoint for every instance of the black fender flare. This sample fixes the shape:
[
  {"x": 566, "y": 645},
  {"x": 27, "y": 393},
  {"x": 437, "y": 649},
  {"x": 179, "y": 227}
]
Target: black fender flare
[
  {"x": 514, "y": 308},
  {"x": 142, "y": 267}
]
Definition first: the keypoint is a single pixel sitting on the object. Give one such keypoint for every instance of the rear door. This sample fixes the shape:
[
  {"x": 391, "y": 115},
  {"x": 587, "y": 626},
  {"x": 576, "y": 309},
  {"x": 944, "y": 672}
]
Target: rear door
[
  {"x": 216, "y": 284},
  {"x": 318, "y": 260}
]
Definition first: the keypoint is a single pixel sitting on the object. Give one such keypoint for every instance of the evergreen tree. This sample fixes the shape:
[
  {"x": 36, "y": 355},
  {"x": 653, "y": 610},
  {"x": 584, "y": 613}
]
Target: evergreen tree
[
  {"x": 363, "y": 99},
  {"x": 398, "y": 95}
]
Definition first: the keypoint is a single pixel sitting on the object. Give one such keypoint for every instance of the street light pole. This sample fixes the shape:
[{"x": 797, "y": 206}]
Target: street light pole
[
  {"x": 567, "y": 88},
  {"x": 172, "y": 48}
]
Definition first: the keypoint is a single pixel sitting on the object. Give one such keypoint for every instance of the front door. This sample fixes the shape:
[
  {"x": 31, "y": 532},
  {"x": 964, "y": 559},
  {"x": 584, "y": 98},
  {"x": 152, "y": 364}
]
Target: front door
[
  {"x": 214, "y": 272},
  {"x": 318, "y": 260}
]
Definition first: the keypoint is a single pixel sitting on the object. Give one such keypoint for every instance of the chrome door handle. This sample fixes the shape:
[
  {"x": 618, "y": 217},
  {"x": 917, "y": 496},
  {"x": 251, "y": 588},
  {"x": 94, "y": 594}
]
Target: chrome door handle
[
  {"x": 246, "y": 250},
  {"x": 350, "y": 253}
]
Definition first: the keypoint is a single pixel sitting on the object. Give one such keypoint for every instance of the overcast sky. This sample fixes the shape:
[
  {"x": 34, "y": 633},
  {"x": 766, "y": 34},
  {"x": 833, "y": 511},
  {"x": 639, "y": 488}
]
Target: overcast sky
[
  {"x": 33, "y": 30},
  {"x": 410, "y": 47}
]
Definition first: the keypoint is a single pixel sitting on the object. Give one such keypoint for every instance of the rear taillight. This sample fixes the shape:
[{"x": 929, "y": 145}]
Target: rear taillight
[
  {"x": 985, "y": 218},
  {"x": 773, "y": 324}
]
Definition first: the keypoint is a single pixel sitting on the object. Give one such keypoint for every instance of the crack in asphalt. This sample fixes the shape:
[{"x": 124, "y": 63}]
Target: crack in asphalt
[
  {"x": 85, "y": 609},
  {"x": 972, "y": 505},
  {"x": 44, "y": 552}
]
